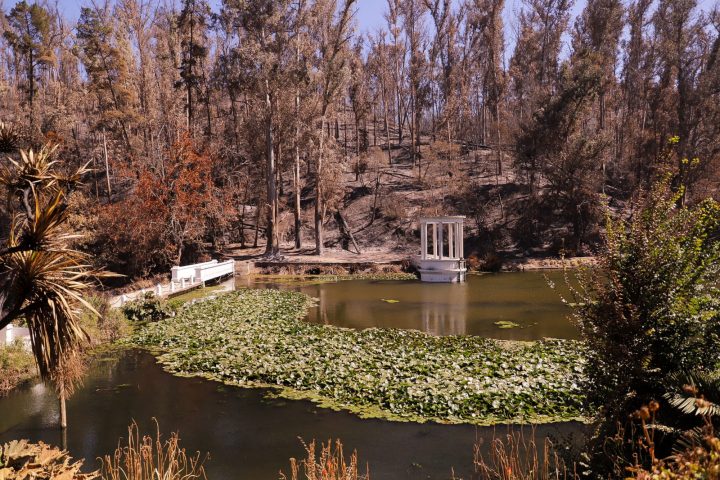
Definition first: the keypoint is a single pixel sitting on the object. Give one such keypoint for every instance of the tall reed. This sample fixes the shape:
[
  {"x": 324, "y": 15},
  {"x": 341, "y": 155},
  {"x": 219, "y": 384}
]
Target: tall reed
[
  {"x": 329, "y": 464},
  {"x": 519, "y": 457},
  {"x": 149, "y": 458}
]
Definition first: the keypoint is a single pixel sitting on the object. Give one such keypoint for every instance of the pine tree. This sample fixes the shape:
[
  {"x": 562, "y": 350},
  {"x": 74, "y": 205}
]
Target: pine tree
[{"x": 30, "y": 35}]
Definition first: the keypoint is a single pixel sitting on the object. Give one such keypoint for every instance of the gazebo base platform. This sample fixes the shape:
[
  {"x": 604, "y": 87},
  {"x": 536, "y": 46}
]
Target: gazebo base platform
[{"x": 442, "y": 271}]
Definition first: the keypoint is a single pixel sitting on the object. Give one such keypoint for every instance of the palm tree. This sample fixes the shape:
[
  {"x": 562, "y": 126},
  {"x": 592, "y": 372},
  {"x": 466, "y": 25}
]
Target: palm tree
[{"x": 43, "y": 279}]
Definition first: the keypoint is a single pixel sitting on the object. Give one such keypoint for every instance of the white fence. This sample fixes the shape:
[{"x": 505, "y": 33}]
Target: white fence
[
  {"x": 183, "y": 278},
  {"x": 187, "y": 272},
  {"x": 205, "y": 272},
  {"x": 9, "y": 334}
]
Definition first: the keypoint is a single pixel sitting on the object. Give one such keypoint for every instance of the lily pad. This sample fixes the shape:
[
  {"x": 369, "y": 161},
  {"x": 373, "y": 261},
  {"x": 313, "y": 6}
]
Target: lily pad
[
  {"x": 505, "y": 324},
  {"x": 257, "y": 338}
]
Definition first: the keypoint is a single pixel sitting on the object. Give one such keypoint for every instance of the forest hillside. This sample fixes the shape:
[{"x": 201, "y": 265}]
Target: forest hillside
[{"x": 279, "y": 123}]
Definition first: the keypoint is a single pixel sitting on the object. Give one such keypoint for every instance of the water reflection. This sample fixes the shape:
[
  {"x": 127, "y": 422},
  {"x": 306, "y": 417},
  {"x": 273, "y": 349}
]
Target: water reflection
[{"x": 478, "y": 307}]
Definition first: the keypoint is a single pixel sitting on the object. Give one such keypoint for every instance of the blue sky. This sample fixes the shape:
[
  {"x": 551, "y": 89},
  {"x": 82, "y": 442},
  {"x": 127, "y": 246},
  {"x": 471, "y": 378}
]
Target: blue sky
[{"x": 369, "y": 12}]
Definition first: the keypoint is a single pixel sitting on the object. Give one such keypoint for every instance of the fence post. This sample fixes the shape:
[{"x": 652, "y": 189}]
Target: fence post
[
  {"x": 123, "y": 299},
  {"x": 174, "y": 276},
  {"x": 158, "y": 290}
]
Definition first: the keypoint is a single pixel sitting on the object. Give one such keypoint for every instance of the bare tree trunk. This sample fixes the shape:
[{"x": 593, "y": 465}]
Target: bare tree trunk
[
  {"x": 273, "y": 244},
  {"x": 107, "y": 165},
  {"x": 258, "y": 210},
  {"x": 387, "y": 126},
  {"x": 319, "y": 247},
  {"x": 296, "y": 169}
]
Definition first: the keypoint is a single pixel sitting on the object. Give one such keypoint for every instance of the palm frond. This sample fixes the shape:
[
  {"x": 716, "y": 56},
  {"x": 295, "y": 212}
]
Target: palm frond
[
  {"x": 32, "y": 168},
  {"x": 696, "y": 393},
  {"x": 53, "y": 283},
  {"x": 44, "y": 276},
  {"x": 8, "y": 138}
]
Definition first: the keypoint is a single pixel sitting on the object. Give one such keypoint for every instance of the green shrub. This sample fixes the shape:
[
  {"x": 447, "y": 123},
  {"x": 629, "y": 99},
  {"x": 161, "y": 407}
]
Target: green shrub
[
  {"x": 108, "y": 325},
  {"x": 16, "y": 366},
  {"x": 147, "y": 308},
  {"x": 651, "y": 308}
]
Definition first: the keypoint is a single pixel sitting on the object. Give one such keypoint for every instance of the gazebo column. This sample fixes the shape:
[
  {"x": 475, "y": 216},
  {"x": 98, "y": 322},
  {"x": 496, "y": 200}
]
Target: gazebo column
[
  {"x": 460, "y": 240},
  {"x": 423, "y": 240},
  {"x": 441, "y": 243},
  {"x": 451, "y": 240},
  {"x": 435, "y": 240}
]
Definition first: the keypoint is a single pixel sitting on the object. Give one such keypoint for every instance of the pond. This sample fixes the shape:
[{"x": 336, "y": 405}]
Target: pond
[
  {"x": 248, "y": 436},
  {"x": 482, "y": 306}
]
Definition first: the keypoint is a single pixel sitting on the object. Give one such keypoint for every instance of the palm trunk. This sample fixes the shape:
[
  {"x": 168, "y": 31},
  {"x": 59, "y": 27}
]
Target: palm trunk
[{"x": 63, "y": 410}]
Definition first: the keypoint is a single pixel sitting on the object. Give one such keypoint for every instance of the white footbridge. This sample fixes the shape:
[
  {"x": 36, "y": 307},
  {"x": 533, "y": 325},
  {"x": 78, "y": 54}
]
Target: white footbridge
[{"x": 182, "y": 279}]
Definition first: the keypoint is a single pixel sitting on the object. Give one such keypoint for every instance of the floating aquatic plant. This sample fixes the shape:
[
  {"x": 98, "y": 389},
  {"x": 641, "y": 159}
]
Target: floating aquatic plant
[{"x": 257, "y": 338}]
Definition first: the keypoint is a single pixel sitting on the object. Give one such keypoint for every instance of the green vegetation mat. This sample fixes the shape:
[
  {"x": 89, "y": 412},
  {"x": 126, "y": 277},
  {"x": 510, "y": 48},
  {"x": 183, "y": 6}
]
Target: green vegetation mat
[{"x": 256, "y": 338}]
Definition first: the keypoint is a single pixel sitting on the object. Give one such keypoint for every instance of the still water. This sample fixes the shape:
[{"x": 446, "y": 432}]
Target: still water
[
  {"x": 247, "y": 435},
  {"x": 532, "y": 300},
  {"x": 252, "y": 437}
]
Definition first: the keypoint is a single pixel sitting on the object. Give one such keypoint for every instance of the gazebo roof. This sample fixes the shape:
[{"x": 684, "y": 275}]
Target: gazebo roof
[{"x": 444, "y": 219}]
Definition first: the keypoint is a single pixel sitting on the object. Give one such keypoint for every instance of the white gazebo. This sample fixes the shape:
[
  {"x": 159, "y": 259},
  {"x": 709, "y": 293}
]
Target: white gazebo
[{"x": 442, "y": 249}]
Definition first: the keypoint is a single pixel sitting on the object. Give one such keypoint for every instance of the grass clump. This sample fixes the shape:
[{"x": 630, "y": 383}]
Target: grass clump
[
  {"x": 257, "y": 338},
  {"x": 518, "y": 456},
  {"x": 147, "y": 457}
]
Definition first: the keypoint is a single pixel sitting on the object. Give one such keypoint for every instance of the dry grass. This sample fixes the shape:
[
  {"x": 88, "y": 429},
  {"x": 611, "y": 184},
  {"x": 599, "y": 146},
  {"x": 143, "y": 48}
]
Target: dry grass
[
  {"x": 519, "y": 457},
  {"x": 327, "y": 464},
  {"x": 150, "y": 458},
  {"x": 22, "y": 460}
]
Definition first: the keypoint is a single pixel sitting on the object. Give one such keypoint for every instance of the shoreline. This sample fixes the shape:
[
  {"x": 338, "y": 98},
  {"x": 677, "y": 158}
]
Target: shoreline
[{"x": 383, "y": 265}]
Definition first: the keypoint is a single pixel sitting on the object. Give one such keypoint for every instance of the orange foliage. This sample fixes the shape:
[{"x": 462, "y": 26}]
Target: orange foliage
[{"x": 168, "y": 212}]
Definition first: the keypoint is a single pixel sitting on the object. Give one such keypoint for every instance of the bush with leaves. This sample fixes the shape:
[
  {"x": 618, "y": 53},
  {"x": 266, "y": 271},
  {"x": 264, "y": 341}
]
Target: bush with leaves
[
  {"x": 147, "y": 308},
  {"x": 651, "y": 308}
]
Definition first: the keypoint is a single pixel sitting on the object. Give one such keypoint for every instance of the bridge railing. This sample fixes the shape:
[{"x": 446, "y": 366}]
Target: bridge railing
[
  {"x": 206, "y": 272},
  {"x": 187, "y": 272}
]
